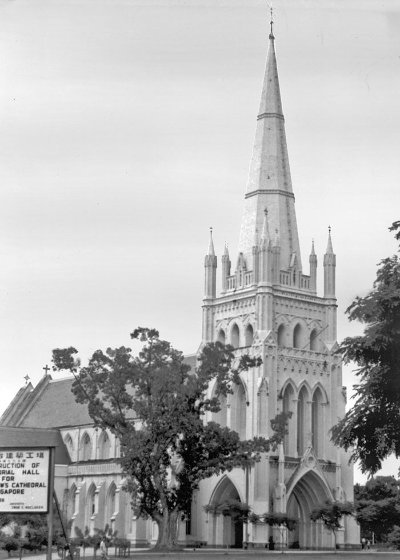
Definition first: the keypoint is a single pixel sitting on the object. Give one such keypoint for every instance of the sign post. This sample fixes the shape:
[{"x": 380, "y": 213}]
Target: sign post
[{"x": 50, "y": 502}]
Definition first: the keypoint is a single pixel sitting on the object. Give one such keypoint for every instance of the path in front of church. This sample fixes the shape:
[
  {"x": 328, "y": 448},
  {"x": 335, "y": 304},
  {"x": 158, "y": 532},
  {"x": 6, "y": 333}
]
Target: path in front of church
[{"x": 245, "y": 555}]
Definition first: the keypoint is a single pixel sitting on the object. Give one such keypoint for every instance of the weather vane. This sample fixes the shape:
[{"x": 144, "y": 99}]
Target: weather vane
[{"x": 271, "y": 35}]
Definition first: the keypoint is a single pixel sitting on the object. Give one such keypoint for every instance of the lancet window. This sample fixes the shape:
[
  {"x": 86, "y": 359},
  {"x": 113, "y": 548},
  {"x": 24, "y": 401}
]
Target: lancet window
[
  {"x": 316, "y": 421},
  {"x": 281, "y": 336},
  {"x": 249, "y": 335},
  {"x": 235, "y": 337},
  {"x": 86, "y": 447},
  {"x": 104, "y": 446},
  {"x": 314, "y": 340},
  {"x": 288, "y": 404},
  {"x": 238, "y": 410},
  {"x": 301, "y": 421}
]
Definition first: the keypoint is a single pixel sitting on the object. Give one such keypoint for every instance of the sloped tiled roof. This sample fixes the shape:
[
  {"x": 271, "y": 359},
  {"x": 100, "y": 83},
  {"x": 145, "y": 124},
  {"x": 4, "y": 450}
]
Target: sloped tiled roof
[
  {"x": 51, "y": 404},
  {"x": 56, "y": 407}
]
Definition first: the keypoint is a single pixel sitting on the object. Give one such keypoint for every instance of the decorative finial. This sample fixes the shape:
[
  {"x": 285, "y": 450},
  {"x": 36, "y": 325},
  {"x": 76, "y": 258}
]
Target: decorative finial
[
  {"x": 329, "y": 229},
  {"x": 27, "y": 379},
  {"x": 271, "y": 35},
  {"x": 46, "y": 369},
  {"x": 265, "y": 211},
  {"x": 211, "y": 251}
]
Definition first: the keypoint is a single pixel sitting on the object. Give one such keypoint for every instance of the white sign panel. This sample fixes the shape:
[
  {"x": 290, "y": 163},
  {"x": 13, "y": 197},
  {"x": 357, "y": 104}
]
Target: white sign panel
[{"x": 24, "y": 480}]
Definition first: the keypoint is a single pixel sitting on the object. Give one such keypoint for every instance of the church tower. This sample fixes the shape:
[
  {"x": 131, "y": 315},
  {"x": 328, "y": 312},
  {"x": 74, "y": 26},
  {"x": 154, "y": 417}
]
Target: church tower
[{"x": 269, "y": 308}]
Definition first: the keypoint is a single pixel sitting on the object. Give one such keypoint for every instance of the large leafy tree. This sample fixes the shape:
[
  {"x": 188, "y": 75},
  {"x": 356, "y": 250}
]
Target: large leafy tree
[
  {"x": 378, "y": 506},
  {"x": 371, "y": 427},
  {"x": 156, "y": 405}
]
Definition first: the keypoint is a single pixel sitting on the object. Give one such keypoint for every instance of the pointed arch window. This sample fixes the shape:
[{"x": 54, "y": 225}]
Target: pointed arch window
[
  {"x": 238, "y": 410},
  {"x": 90, "y": 505},
  {"x": 297, "y": 336},
  {"x": 221, "y": 416},
  {"x": 289, "y": 440},
  {"x": 221, "y": 336},
  {"x": 69, "y": 445},
  {"x": 301, "y": 421},
  {"x": 281, "y": 336},
  {"x": 249, "y": 335},
  {"x": 235, "y": 336},
  {"x": 317, "y": 421},
  {"x": 111, "y": 502},
  {"x": 71, "y": 501},
  {"x": 86, "y": 447},
  {"x": 104, "y": 446},
  {"x": 314, "y": 340}
]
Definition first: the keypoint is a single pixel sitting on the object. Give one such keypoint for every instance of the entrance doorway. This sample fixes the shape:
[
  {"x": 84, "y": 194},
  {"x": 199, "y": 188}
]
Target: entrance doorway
[
  {"x": 226, "y": 530},
  {"x": 309, "y": 492}
]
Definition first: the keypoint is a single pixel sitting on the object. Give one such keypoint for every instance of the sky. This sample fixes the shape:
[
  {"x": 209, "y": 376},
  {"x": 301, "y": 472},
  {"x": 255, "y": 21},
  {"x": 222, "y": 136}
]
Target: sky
[{"x": 126, "y": 131}]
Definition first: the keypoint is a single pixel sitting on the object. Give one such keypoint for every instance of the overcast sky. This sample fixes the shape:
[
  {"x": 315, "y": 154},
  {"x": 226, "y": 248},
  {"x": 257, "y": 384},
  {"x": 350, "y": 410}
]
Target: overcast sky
[{"x": 126, "y": 130}]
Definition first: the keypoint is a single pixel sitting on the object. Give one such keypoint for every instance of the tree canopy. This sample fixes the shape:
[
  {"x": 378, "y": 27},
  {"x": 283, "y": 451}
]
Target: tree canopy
[
  {"x": 331, "y": 514},
  {"x": 371, "y": 427},
  {"x": 156, "y": 405},
  {"x": 378, "y": 506}
]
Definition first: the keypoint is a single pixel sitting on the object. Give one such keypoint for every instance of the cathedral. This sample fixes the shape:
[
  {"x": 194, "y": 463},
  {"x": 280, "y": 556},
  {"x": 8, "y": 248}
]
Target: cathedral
[{"x": 268, "y": 308}]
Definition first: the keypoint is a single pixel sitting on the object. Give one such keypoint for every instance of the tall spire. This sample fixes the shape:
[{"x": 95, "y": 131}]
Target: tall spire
[{"x": 269, "y": 183}]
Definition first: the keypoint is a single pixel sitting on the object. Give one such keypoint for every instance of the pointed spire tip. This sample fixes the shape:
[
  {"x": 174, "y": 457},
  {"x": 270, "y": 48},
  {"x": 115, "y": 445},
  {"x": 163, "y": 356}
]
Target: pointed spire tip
[
  {"x": 211, "y": 244},
  {"x": 329, "y": 248},
  {"x": 271, "y": 23}
]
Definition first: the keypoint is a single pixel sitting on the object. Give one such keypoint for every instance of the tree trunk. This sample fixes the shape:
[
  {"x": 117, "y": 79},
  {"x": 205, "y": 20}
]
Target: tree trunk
[{"x": 167, "y": 530}]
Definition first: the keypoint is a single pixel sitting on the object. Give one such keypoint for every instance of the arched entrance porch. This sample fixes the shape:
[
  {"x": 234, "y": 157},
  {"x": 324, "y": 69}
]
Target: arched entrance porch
[
  {"x": 308, "y": 492},
  {"x": 224, "y": 529}
]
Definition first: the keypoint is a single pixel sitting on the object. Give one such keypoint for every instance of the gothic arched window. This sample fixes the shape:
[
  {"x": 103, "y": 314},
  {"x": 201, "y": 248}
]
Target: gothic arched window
[
  {"x": 86, "y": 447},
  {"x": 297, "y": 335},
  {"x": 71, "y": 501},
  {"x": 316, "y": 421},
  {"x": 314, "y": 340},
  {"x": 301, "y": 421},
  {"x": 249, "y": 335},
  {"x": 104, "y": 446},
  {"x": 221, "y": 416},
  {"x": 90, "y": 504},
  {"x": 281, "y": 336},
  {"x": 235, "y": 336},
  {"x": 221, "y": 336},
  {"x": 69, "y": 445},
  {"x": 238, "y": 410},
  {"x": 289, "y": 441},
  {"x": 110, "y": 502}
]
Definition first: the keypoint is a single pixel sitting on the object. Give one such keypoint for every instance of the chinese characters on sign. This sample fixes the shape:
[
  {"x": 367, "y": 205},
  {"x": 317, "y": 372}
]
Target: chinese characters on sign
[{"x": 24, "y": 478}]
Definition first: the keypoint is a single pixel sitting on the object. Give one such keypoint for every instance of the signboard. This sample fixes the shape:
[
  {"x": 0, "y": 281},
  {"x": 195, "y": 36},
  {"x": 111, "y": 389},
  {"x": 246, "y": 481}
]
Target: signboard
[{"x": 24, "y": 480}]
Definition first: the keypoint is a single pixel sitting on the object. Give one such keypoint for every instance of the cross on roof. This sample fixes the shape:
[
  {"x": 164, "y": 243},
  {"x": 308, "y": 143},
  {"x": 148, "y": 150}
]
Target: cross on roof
[{"x": 46, "y": 369}]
